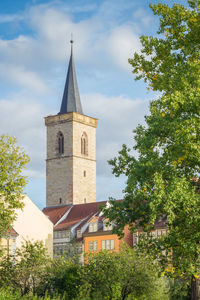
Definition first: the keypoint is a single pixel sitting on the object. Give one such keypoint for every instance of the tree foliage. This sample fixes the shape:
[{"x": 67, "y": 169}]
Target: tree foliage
[
  {"x": 62, "y": 277},
  {"x": 25, "y": 272},
  {"x": 107, "y": 275},
  {"x": 12, "y": 161},
  {"x": 124, "y": 275},
  {"x": 169, "y": 61},
  {"x": 163, "y": 177}
]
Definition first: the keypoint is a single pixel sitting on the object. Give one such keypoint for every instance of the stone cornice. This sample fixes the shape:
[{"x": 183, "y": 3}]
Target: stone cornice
[
  {"x": 72, "y": 156},
  {"x": 69, "y": 117}
]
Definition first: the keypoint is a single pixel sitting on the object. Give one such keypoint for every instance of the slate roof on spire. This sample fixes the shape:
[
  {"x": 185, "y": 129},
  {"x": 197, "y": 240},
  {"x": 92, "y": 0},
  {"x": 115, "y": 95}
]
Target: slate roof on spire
[{"x": 71, "y": 100}]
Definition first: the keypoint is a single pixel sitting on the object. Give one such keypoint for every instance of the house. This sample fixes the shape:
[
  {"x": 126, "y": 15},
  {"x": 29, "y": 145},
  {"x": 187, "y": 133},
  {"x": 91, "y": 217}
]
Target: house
[
  {"x": 99, "y": 236},
  {"x": 30, "y": 225},
  {"x": 70, "y": 223},
  {"x": 84, "y": 225},
  {"x": 159, "y": 229}
]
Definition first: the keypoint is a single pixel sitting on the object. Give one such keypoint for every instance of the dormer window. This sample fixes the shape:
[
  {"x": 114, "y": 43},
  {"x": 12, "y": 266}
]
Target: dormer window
[
  {"x": 93, "y": 227},
  {"x": 107, "y": 227},
  {"x": 60, "y": 142}
]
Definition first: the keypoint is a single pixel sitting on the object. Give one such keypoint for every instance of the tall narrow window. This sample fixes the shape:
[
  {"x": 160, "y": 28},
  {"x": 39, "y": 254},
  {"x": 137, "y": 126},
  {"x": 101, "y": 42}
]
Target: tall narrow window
[
  {"x": 84, "y": 144},
  {"x": 60, "y": 143}
]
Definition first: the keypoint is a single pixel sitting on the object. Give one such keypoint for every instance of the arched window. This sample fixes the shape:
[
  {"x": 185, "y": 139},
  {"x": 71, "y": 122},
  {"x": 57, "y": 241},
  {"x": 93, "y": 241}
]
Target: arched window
[
  {"x": 60, "y": 143},
  {"x": 84, "y": 144}
]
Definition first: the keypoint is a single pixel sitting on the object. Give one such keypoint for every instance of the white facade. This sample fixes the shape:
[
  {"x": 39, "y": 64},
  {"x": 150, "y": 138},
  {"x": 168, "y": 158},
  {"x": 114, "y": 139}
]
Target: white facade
[{"x": 32, "y": 225}]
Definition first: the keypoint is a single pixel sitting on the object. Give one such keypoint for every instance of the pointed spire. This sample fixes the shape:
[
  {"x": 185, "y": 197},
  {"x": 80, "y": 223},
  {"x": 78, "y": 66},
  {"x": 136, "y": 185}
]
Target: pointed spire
[{"x": 71, "y": 100}]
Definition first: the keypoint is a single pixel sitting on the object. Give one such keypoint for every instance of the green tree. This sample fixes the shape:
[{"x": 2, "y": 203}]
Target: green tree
[
  {"x": 62, "y": 278},
  {"x": 163, "y": 178},
  {"x": 119, "y": 276},
  {"x": 25, "y": 272},
  {"x": 12, "y": 161}
]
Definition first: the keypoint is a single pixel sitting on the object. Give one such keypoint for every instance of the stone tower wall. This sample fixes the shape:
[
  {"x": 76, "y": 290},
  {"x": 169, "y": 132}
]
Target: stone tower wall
[
  {"x": 70, "y": 176},
  {"x": 84, "y": 166},
  {"x": 59, "y": 182}
]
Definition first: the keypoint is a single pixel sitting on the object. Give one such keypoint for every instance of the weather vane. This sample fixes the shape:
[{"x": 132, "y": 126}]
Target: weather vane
[{"x": 71, "y": 41}]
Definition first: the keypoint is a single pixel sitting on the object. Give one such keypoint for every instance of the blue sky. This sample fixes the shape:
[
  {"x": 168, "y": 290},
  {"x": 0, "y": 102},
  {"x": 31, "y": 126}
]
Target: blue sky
[{"x": 34, "y": 55}]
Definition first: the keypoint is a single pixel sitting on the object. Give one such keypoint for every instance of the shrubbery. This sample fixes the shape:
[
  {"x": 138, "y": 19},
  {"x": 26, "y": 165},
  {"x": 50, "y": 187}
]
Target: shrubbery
[
  {"x": 126, "y": 275},
  {"x": 105, "y": 275}
]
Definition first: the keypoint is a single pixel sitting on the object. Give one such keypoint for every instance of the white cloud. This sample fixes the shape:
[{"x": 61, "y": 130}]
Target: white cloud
[
  {"x": 20, "y": 50},
  {"x": 118, "y": 117},
  {"x": 54, "y": 28},
  {"x": 28, "y": 60},
  {"x": 24, "y": 120},
  {"x": 25, "y": 78},
  {"x": 34, "y": 174},
  {"x": 108, "y": 186},
  {"x": 7, "y": 18},
  {"x": 121, "y": 44},
  {"x": 142, "y": 16}
]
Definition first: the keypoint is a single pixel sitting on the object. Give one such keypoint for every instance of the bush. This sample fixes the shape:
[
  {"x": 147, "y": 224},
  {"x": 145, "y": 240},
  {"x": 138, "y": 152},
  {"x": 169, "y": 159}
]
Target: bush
[
  {"x": 27, "y": 270},
  {"x": 7, "y": 294},
  {"x": 62, "y": 278},
  {"x": 128, "y": 275},
  {"x": 119, "y": 276}
]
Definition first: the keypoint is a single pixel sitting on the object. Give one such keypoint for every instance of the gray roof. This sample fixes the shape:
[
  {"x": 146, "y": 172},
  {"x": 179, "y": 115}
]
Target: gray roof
[{"x": 71, "y": 100}]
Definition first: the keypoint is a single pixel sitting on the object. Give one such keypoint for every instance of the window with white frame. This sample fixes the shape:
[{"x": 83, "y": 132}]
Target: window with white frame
[
  {"x": 159, "y": 233},
  {"x": 107, "y": 244},
  {"x": 93, "y": 246},
  {"x": 93, "y": 227},
  {"x": 135, "y": 238},
  {"x": 79, "y": 233},
  {"x": 59, "y": 249},
  {"x": 60, "y": 234},
  {"x": 154, "y": 234},
  {"x": 138, "y": 236},
  {"x": 107, "y": 227}
]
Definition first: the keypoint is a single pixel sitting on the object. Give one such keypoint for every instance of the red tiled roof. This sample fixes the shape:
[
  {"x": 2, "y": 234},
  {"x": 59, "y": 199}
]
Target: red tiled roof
[
  {"x": 65, "y": 224},
  {"x": 11, "y": 232},
  {"x": 80, "y": 211},
  {"x": 77, "y": 213},
  {"x": 85, "y": 221},
  {"x": 56, "y": 213}
]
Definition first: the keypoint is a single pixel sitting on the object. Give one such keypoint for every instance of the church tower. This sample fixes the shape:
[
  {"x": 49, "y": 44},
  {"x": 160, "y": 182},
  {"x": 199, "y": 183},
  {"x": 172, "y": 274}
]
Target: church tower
[{"x": 71, "y": 149}]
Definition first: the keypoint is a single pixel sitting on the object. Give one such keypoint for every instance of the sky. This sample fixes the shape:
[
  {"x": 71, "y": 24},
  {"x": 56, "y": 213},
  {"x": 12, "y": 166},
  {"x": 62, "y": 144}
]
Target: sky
[{"x": 34, "y": 54}]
